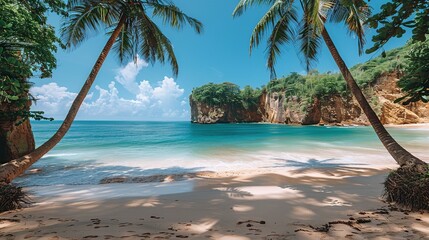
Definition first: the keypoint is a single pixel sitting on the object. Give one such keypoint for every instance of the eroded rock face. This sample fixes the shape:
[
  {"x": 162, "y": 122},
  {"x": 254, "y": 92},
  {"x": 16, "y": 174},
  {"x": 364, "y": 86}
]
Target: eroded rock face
[
  {"x": 396, "y": 114},
  {"x": 337, "y": 109},
  {"x": 203, "y": 113},
  {"x": 392, "y": 113},
  {"x": 15, "y": 141},
  {"x": 333, "y": 110},
  {"x": 275, "y": 111}
]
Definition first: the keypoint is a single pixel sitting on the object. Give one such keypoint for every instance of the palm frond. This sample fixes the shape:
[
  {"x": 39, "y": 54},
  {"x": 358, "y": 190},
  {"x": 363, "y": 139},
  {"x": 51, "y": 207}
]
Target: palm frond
[
  {"x": 124, "y": 43},
  {"x": 354, "y": 15},
  {"x": 310, "y": 40},
  {"x": 90, "y": 16},
  {"x": 282, "y": 33},
  {"x": 276, "y": 11},
  {"x": 173, "y": 16},
  {"x": 154, "y": 45},
  {"x": 244, "y": 4}
]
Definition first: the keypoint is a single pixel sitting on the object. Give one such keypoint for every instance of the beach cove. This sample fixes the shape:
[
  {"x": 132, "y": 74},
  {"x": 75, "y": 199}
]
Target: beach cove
[{"x": 225, "y": 181}]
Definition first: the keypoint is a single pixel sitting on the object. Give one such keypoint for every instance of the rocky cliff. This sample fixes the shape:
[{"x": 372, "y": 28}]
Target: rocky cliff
[
  {"x": 335, "y": 109},
  {"x": 227, "y": 113},
  {"x": 15, "y": 140}
]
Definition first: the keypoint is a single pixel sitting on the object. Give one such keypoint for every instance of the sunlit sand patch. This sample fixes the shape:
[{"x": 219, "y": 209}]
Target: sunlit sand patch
[
  {"x": 242, "y": 208},
  {"x": 85, "y": 204},
  {"x": 421, "y": 228},
  {"x": 262, "y": 192},
  {"x": 200, "y": 226},
  {"x": 228, "y": 237},
  {"x": 321, "y": 189},
  {"x": 303, "y": 213},
  {"x": 151, "y": 202},
  {"x": 6, "y": 224},
  {"x": 217, "y": 201},
  {"x": 319, "y": 174},
  {"x": 335, "y": 201}
]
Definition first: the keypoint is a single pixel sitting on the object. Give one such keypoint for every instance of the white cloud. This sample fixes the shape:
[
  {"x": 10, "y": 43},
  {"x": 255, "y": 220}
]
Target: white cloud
[
  {"x": 163, "y": 101},
  {"x": 127, "y": 75},
  {"x": 52, "y": 98}
]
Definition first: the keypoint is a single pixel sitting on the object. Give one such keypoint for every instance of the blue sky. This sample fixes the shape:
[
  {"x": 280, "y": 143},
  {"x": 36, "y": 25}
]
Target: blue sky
[{"x": 149, "y": 92}]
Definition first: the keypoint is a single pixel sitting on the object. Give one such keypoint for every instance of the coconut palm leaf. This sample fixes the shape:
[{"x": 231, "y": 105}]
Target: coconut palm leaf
[
  {"x": 124, "y": 47},
  {"x": 173, "y": 16},
  {"x": 353, "y": 14},
  {"x": 310, "y": 40},
  {"x": 153, "y": 44},
  {"x": 90, "y": 15},
  {"x": 276, "y": 12},
  {"x": 244, "y": 4},
  {"x": 282, "y": 33}
]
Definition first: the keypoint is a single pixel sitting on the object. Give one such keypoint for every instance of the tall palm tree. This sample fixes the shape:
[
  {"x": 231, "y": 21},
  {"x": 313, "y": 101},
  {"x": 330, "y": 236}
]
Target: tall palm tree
[
  {"x": 283, "y": 18},
  {"x": 133, "y": 32}
]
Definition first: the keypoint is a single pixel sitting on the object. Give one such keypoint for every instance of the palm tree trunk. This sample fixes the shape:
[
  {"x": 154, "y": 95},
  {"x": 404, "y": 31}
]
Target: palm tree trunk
[
  {"x": 16, "y": 167},
  {"x": 401, "y": 156}
]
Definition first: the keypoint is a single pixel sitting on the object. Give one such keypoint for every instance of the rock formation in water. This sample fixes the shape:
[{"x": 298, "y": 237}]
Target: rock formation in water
[{"x": 334, "y": 109}]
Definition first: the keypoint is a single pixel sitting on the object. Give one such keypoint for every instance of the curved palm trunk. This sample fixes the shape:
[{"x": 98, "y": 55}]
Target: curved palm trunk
[
  {"x": 16, "y": 167},
  {"x": 401, "y": 156}
]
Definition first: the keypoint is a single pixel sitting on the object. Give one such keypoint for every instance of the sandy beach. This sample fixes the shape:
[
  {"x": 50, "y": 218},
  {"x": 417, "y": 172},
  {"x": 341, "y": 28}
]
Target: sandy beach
[{"x": 334, "y": 203}]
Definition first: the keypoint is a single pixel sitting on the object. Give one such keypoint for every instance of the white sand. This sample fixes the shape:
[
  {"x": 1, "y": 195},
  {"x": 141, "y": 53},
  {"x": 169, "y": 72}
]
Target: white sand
[{"x": 253, "y": 204}]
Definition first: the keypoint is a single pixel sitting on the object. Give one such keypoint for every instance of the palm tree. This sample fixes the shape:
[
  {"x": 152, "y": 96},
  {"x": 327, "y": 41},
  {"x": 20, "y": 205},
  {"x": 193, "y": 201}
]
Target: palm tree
[
  {"x": 282, "y": 16},
  {"x": 133, "y": 33}
]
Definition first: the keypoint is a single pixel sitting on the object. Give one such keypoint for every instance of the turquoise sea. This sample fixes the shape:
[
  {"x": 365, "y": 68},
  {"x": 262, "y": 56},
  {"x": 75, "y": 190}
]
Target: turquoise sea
[{"x": 93, "y": 150}]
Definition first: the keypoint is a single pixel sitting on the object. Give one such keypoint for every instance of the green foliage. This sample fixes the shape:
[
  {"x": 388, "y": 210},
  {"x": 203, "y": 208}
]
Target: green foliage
[
  {"x": 394, "y": 60},
  {"x": 25, "y": 32},
  {"x": 27, "y": 46},
  {"x": 395, "y": 17},
  {"x": 307, "y": 87},
  {"x": 250, "y": 97},
  {"x": 217, "y": 94},
  {"x": 415, "y": 82},
  {"x": 227, "y": 94}
]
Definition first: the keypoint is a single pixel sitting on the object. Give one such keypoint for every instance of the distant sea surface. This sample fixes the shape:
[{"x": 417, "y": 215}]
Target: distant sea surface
[{"x": 93, "y": 150}]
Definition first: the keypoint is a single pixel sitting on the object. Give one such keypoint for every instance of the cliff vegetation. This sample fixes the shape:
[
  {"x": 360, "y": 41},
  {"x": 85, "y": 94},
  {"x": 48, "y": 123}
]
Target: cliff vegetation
[{"x": 315, "y": 98}]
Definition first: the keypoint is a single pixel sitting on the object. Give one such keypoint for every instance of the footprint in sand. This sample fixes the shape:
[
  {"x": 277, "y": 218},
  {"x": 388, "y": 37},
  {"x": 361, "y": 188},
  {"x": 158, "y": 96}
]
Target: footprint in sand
[
  {"x": 182, "y": 236},
  {"x": 101, "y": 226},
  {"x": 125, "y": 224},
  {"x": 95, "y": 221}
]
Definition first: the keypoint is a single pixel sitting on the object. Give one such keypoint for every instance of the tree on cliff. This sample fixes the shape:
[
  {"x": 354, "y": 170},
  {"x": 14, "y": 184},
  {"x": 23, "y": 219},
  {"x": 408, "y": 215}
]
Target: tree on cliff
[
  {"x": 392, "y": 21},
  {"x": 27, "y": 46},
  {"x": 283, "y": 17},
  {"x": 132, "y": 32}
]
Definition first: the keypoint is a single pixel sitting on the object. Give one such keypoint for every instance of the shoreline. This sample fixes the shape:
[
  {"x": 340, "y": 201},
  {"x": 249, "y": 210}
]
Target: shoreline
[
  {"x": 423, "y": 125},
  {"x": 221, "y": 205}
]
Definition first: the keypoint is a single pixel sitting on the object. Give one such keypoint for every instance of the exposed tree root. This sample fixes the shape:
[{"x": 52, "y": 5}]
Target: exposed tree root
[
  {"x": 408, "y": 189},
  {"x": 12, "y": 197}
]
